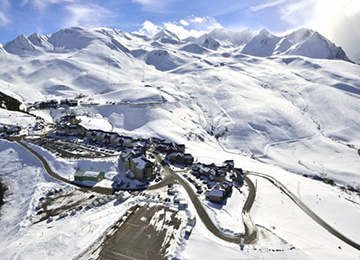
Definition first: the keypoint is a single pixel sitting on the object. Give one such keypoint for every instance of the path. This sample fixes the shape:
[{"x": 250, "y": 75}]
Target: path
[{"x": 306, "y": 209}]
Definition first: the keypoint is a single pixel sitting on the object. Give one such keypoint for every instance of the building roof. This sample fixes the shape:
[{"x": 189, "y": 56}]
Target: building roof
[
  {"x": 79, "y": 173},
  {"x": 93, "y": 174},
  {"x": 140, "y": 162},
  {"x": 216, "y": 192}
]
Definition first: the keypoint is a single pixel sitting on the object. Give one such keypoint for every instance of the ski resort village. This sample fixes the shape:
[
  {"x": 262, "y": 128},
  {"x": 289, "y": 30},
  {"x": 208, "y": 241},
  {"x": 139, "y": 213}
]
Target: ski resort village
[{"x": 226, "y": 146}]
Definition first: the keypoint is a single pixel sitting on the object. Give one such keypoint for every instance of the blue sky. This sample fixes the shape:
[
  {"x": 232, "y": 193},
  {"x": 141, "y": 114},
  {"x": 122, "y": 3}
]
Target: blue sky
[{"x": 336, "y": 19}]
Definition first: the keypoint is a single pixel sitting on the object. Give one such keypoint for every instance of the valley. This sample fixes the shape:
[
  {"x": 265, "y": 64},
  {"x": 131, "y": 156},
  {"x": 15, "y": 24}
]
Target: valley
[{"x": 179, "y": 129}]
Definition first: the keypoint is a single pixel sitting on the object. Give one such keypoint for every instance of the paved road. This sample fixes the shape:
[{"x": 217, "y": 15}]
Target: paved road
[
  {"x": 306, "y": 209},
  {"x": 250, "y": 234},
  {"x": 137, "y": 239},
  {"x": 55, "y": 175}
]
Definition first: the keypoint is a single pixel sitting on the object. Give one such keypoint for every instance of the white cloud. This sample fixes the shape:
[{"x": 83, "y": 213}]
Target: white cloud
[
  {"x": 266, "y": 5},
  {"x": 184, "y": 23},
  {"x": 4, "y": 20},
  {"x": 89, "y": 15},
  {"x": 198, "y": 20},
  {"x": 195, "y": 26},
  {"x": 181, "y": 32},
  {"x": 149, "y": 29},
  {"x": 156, "y": 6},
  {"x": 42, "y": 4}
]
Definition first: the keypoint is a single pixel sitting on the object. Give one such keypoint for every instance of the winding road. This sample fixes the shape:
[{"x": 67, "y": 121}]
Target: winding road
[
  {"x": 250, "y": 234},
  {"x": 53, "y": 174},
  {"x": 306, "y": 209}
]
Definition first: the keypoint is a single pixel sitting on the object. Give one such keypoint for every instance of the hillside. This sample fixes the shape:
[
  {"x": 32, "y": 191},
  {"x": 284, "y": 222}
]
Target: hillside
[{"x": 290, "y": 101}]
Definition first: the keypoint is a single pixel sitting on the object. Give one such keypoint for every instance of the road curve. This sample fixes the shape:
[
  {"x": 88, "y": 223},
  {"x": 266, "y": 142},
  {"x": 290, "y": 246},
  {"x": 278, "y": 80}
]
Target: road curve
[
  {"x": 53, "y": 174},
  {"x": 306, "y": 209},
  {"x": 250, "y": 234}
]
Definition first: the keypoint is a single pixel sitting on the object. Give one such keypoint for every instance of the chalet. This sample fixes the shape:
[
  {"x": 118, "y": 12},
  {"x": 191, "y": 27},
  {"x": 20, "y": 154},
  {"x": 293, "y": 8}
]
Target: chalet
[
  {"x": 238, "y": 177},
  {"x": 68, "y": 103},
  {"x": 139, "y": 147},
  {"x": 156, "y": 140},
  {"x": 91, "y": 135},
  {"x": 180, "y": 158},
  {"x": 10, "y": 130},
  {"x": 47, "y": 104},
  {"x": 212, "y": 173},
  {"x": 220, "y": 174},
  {"x": 100, "y": 136},
  {"x": 219, "y": 193},
  {"x": 141, "y": 142},
  {"x": 204, "y": 170},
  {"x": 227, "y": 186},
  {"x": 166, "y": 147},
  {"x": 124, "y": 141},
  {"x": 107, "y": 138},
  {"x": 196, "y": 168},
  {"x": 69, "y": 119},
  {"x": 188, "y": 159},
  {"x": 176, "y": 157},
  {"x": 181, "y": 148},
  {"x": 229, "y": 164},
  {"x": 113, "y": 139},
  {"x": 76, "y": 129}
]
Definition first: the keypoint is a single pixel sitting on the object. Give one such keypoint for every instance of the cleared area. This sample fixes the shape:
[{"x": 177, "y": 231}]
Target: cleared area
[{"x": 144, "y": 234}]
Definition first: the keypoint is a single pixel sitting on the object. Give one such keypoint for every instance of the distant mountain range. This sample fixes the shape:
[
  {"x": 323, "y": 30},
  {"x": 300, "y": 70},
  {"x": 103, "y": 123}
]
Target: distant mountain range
[
  {"x": 302, "y": 42},
  {"x": 290, "y": 101}
]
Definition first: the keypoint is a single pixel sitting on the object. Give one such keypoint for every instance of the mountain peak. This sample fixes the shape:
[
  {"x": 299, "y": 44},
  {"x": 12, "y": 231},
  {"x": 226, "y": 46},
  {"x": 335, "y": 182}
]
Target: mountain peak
[
  {"x": 20, "y": 45},
  {"x": 211, "y": 43},
  {"x": 164, "y": 33},
  {"x": 300, "y": 35},
  {"x": 237, "y": 38},
  {"x": 313, "y": 45},
  {"x": 265, "y": 32}
]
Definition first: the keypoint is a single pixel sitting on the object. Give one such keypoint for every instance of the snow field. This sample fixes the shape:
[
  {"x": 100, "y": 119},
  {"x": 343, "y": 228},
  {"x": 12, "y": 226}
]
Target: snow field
[{"x": 274, "y": 209}]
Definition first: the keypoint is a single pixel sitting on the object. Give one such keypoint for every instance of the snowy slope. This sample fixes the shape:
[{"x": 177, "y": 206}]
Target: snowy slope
[
  {"x": 274, "y": 108},
  {"x": 285, "y": 106}
]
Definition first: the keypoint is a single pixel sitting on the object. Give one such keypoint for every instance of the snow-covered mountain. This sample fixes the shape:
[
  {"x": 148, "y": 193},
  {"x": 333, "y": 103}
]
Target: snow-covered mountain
[
  {"x": 165, "y": 36},
  {"x": 302, "y": 42},
  {"x": 291, "y": 101}
]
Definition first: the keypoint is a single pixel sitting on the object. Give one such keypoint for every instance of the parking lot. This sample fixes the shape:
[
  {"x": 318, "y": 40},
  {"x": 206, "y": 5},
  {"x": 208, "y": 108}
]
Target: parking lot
[
  {"x": 74, "y": 148},
  {"x": 137, "y": 237}
]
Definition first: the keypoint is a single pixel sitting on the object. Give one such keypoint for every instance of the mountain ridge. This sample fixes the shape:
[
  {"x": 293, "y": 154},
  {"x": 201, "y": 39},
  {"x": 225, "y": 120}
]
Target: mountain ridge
[{"x": 303, "y": 42}]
